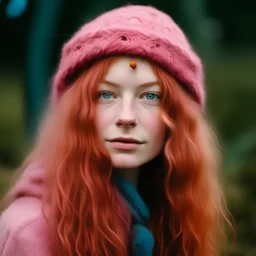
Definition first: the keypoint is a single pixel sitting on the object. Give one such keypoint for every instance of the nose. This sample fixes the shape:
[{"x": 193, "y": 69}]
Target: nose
[{"x": 127, "y": 115}]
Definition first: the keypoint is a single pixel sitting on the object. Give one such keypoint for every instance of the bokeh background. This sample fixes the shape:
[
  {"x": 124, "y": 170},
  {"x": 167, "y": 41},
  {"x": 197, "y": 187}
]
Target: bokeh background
[{"x": 223, "y": 34}]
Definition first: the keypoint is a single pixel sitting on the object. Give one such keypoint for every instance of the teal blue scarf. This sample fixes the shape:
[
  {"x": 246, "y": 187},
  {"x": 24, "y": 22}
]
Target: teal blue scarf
[{"x": 142, "y": 238}]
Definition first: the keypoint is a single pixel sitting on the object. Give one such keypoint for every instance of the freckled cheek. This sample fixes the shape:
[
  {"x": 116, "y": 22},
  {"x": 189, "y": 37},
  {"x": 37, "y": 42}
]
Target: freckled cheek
[
  {"x": 154, "y": 125},
  {"x": 104, "y": 118}
]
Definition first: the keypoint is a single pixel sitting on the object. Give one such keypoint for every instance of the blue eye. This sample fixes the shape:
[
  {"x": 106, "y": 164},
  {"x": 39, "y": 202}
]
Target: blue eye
[
  {"x": 106, "y": 95},
  {"x": 151, "y": 96}
]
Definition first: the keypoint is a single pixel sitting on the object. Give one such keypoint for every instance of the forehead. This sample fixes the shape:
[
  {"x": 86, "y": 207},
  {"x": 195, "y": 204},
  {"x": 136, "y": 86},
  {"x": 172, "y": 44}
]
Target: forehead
[{"x": 120, "y": 71}]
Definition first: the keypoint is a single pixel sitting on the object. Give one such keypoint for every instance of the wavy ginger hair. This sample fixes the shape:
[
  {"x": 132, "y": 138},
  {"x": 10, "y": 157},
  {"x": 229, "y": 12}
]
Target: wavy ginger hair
[{"x": 181, "y": 186}]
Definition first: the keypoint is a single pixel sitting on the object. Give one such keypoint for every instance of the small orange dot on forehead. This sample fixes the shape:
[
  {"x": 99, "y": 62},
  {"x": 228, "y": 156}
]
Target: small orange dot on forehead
[{"x": 133, "y": 64}]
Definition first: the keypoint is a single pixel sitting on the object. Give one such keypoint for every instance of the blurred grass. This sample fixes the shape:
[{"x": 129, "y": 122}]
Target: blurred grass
[
  {"x": 231, "y": 90},
  {"x": 5, "y": 178},
  {"x": 11, "y": 117},
  {"x": 12, "y": 140}
]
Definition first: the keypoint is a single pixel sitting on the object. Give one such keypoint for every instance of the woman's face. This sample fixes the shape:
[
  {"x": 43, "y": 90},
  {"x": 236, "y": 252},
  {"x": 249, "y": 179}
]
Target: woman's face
[{"x": 128, "y": 114}]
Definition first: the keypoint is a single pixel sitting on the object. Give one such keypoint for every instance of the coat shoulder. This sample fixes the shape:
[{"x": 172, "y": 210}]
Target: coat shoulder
[{"x": 23, "y": 229}]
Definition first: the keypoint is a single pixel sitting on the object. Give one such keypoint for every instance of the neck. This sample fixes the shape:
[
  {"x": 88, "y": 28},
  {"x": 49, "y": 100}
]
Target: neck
[{"x": 131, "y": 175}]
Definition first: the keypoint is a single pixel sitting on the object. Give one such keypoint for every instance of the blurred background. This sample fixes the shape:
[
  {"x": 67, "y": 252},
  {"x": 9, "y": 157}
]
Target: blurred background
[{"x": 223, "y": 34}]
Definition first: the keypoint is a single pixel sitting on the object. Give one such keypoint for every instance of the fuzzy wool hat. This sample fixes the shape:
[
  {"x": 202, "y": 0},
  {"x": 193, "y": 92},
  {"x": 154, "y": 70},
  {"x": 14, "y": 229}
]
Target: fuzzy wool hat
[{"x": 137, "y": 30}]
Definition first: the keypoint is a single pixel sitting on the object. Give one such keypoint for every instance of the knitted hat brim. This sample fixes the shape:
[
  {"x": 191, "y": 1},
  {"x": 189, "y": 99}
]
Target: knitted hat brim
[{"x": 81, "y": 51}]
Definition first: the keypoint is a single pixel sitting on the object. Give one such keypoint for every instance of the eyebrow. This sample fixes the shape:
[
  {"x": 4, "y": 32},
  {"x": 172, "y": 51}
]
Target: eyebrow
[{"x": 140, "y": 85}]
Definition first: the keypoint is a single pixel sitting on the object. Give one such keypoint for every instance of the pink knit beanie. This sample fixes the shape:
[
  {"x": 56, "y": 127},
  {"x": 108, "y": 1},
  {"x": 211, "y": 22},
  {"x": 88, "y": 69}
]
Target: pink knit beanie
[{"x": 135, "y": 30}]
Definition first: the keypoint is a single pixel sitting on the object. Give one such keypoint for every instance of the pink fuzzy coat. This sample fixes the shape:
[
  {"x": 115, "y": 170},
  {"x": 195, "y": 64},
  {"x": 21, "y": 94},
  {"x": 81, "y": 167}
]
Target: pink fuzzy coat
[{"x": 23, "y": 230}]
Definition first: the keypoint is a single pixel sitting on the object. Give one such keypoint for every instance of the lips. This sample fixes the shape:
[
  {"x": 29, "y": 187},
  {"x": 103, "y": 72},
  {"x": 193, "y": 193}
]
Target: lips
[
  {"x": 122, "y": 143},
  {"x": 126, "y": 140}
]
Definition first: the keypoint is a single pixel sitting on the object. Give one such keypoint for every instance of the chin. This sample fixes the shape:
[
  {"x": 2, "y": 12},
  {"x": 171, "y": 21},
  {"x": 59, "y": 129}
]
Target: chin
[
  {"x": 125, "y": 166},
  {"x": 125, "y": 163}
]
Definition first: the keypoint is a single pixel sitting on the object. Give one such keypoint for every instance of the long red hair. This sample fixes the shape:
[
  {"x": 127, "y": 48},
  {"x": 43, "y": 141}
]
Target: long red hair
[{"x": 181, "y": 186}]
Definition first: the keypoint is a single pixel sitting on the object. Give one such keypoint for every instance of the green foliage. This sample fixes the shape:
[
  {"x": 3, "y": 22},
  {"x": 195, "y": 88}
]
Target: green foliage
[
  {"x": 11, "y": 118},
  {"x": 242, "y": 204},
  {"x": 5, "y": 179}
]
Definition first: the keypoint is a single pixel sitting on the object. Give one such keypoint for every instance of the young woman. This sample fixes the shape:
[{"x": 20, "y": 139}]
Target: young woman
[{"x": 125, "y": 162}]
